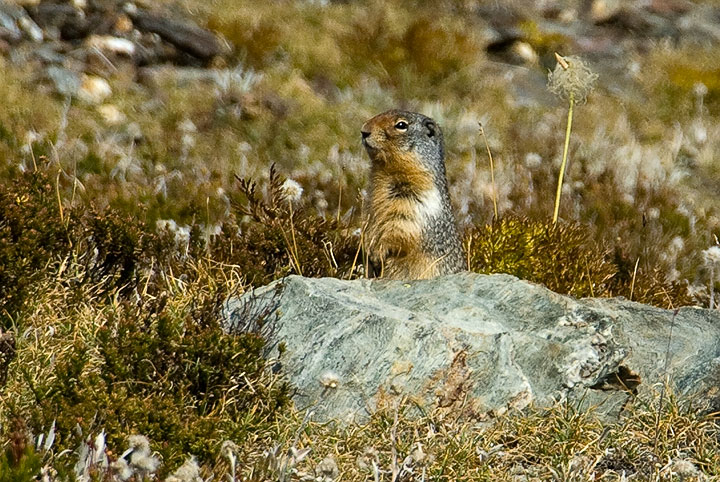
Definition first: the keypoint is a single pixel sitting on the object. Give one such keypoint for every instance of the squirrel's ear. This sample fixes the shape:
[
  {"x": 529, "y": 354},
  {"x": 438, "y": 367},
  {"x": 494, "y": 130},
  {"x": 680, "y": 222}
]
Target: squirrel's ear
[{"x": 431, "y": 128}]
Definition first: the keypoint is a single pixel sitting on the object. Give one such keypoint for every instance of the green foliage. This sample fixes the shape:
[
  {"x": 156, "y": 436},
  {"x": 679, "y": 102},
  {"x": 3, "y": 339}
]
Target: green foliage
[
  {"x": 158, "y": 364},
  {"x": 24, "y": 469},
  {"x": 567, "y": 258},
  {"x": 561, "y": 257},
  {"x": 38, "y": 235},
  {"x": 18, "y": 460},
  {"x": 175, "y": 377},
  {"x": 32, "y": 236},
  {"x": 355, "y": 40}
]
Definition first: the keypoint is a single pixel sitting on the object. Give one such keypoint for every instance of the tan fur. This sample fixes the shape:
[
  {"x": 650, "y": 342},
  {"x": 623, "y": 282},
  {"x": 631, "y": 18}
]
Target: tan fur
[{"x": 395, "y": 224}]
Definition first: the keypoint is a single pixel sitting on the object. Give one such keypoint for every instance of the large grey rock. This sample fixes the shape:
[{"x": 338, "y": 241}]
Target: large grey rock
[{"x": 474, "y": 344}]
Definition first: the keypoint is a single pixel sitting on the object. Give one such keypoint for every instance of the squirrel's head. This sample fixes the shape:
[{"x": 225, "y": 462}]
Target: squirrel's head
[{"x": 395, "y": 134}]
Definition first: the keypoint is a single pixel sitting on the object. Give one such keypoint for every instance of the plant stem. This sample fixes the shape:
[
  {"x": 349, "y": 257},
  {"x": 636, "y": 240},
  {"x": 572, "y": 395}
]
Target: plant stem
[
  {"x": 294, "y": 249},
  {"x": 492, "y": 171},
  {"x": 564, "y": 158},
  {"x": 712, "y": 286}
]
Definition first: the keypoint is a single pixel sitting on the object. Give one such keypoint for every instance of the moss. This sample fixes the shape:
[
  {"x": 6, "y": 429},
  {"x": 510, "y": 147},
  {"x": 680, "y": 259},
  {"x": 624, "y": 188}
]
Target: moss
[
  {"x": 568, "y": 258},
  {"x": 562, "y": 257}
]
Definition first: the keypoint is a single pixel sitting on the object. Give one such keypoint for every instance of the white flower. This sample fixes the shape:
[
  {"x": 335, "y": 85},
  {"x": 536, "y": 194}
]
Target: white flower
[
  {"x": 122, "y": 469},
  {"x": 533, "y": 160},
  {"x": 572, "y": 78},
  {"x": 327, "y": 469},
  {"x": 330, "y": 379},
  {"x": 187, "y": 472},
  {"x": 712, "y": 255},
  {"x": 140, "y": 457},
  {"x": 292, "y": 190}
]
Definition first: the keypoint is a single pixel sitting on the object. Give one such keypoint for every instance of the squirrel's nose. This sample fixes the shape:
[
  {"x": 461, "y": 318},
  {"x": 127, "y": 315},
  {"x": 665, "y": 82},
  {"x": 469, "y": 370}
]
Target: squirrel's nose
[{"x": 365, "y": 134}]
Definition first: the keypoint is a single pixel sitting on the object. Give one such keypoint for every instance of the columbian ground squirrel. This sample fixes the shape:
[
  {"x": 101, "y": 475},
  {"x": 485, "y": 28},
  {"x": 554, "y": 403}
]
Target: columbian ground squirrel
[{"x": 411, "y": 231}]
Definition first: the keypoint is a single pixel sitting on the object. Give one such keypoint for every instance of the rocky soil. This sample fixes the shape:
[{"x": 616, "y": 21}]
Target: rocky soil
[{"x": 77, "y": 44}]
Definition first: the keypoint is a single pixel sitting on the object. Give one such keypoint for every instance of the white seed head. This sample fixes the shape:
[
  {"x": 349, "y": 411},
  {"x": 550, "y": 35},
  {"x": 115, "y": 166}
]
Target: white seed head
[
  {"x": 32, "y": 136},
  {"x": 162, "y": 225},
  {"x": 712, "y": 255},
  {"x": 187, "y": 472},
  {"x": 292, "y": 190},
  {"x": 700, "y": 89},
  {"x": 111, "y": 114},
  {"x": 327, "y": 469},
  {"x": 368, "y": 458},
  {"x": 685, "y": 469},
  {"x": 143, "y": 462},
  {"x": 187, "y": 126},
  {"x": 139, "y": 443},
  {"x": 122, "y": 469},
  {"x": 533, "y": 160},
  {"x": 228, "y": 448},
  {"x": 576, "y": 81},
  {"x": 141, "y": 458},
  {"x": 330, "y": 379}
]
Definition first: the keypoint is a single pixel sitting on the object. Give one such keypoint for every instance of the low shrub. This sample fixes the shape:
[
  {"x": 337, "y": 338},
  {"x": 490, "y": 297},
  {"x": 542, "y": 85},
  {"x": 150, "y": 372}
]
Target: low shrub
[
  {"x": 568, "y": 259},
  {"x": 274, "y": 235}
]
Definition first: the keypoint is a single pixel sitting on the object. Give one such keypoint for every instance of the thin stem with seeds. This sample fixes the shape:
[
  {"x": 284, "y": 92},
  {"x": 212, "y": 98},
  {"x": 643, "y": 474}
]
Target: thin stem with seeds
[
  {"x": 293, "y": 249},
  {"x": 492, "y": 171},
  {"x": 59, "y": 200},
  {"x": 712, "y": 286},
  {"x": 632, "y": 284},
  {"x": 564, "y": 158}
]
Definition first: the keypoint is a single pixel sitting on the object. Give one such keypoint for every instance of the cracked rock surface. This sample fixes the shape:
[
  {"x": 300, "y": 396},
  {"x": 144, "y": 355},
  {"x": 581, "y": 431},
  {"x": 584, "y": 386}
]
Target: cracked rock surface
[{"x": 474, "y": 344}]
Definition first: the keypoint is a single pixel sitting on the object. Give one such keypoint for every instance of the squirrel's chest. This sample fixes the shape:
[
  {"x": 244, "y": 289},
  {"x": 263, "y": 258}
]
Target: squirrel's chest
[{"x": 401, "y": 201}]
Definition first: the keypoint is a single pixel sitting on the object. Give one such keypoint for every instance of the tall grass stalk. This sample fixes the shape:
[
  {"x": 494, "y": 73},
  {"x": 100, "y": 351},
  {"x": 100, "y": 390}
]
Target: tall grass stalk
[
  {"x": 492, "y": 171},
  {"x": 634, "y": 277},
  {"x": 292, "y": 248},
  {"x": 563, "y": 165}
]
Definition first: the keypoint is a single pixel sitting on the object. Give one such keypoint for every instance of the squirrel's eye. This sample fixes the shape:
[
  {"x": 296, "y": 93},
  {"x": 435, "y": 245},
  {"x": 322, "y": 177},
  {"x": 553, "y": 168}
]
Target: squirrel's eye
[{"x": 401, "y": 126}]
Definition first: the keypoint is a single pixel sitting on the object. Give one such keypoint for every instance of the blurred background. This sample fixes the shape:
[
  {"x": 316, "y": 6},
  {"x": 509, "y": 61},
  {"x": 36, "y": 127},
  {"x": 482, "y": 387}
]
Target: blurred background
[{"x": 153, "y": 107}]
